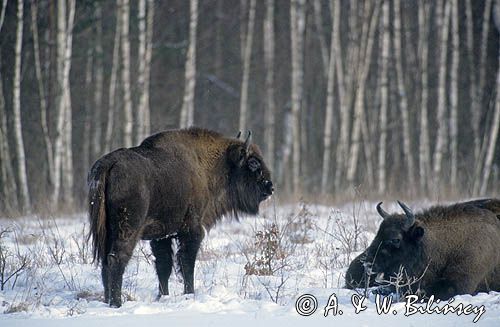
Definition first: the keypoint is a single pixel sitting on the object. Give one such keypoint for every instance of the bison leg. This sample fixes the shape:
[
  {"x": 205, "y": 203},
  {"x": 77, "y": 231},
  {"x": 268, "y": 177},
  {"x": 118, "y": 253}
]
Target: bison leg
[
  {"x": 162, "y": 250},
  {"x": 119, "y": 256},
  {"x": 189, "y": 245}
]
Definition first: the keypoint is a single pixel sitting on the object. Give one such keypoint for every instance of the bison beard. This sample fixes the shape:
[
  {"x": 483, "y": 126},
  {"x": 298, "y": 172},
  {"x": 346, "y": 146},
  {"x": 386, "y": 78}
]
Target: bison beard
[
  {"x": 444, "y": 251},
  {"x": 175, "y": 184}
]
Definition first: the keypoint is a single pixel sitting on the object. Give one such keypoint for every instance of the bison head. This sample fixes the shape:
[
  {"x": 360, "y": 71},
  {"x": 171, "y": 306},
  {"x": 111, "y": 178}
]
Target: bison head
[
  {"x": 249, "y": 178},
  {"x": 398, "y": 243}
]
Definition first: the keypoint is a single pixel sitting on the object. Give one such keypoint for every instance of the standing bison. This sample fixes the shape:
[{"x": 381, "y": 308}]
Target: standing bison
[
  {"x": 444, "y": 251},
  {"x": 174, "y": 185}
]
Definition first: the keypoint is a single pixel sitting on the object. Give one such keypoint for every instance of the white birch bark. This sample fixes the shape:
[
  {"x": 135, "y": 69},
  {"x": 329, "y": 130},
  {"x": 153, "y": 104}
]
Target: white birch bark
[
  {"x": 16, "y": 111},
  {"x": 297, "y": 24},
  {"x": 63, "y": 156},
  {"x": 454, "y": 94},
  {"x": 127, "y": 98},
  {"x": 478, "y": 99},
  {"x": 492, "y": 139},
  {"x": 424, "y": 147},
  {"x": 327, "y": 134},
  {"x": 41, "y": 93},
  {"x": 359, "y": 111},
  {"x": 441, "y": 105},
  {"x": 187, "y": 111},
  {"x": 247, "y": 57},
  {"x": 403, "y": 101},
  {"x": 145, "y": 49},
  {"x": 67, "y": 164},
  {"x": 269, "y": 115},
  {"x": 384, "y": 99},
  {"x": 113, "y": 82}
]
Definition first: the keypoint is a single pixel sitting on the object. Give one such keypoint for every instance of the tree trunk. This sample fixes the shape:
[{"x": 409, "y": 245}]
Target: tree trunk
[
  {"x": 247, "y": 56},
  {"x": 454, "y": 94},
  {"x": 424, "y": 147},
  {"x": 297, "y": 26},
  {"x": 443, "y": 21},
  {"x": 16, "y": 111},
  {"x": 8, "y": 180},
  {"x": 478, "y": 99},
  {"x": 187, "y": 111},
  {"x": 41, "y": 94},
  {"x": 472, "y": 79},
  {"x": 403, "y": 101},
  {"x": 125, "y": 47},
  {"x": 97, "y": 133},
  {"x": 493, "y": 137},
  {"x": 67, "y": 164},
  {"x": 384, "y": 99},
  {"x": 113, "y": 82},
  {"x": 359, "y": 110},
  {"x": 318, "y": 22},
  {"x": 145, "y": 48},
  {"x": 327, "y": 134},
  {"x": 269, "y": 114},
  {"x": 63, "y": 157}
]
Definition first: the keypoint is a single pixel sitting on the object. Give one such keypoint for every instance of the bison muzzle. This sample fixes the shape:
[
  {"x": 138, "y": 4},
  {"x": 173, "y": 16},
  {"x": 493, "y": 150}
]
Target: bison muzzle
[
  {"x": 443, "y": 251},
  {"x": 175, "y": 184}
]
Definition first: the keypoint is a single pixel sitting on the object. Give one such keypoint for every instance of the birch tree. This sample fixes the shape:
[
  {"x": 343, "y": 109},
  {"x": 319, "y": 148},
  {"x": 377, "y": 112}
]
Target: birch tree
[
  {"x": 247, "y": 56},
  {"x": 269, "y": 115},
  {"x": 455, "y": 47},
  {"x": 443, "y": 21},
  {"x": 327, "y": 134},
  {"x": 384, "y": 98},
  {"x": 41, "y": 93},
  {"x": 297, "y": 27},
  {"x": 16, "y": 111},
  {"x": 63, "y": 164},
  {"x": 472, "y": 77},
  {"x": 113, "y": 81},
  {"x": 403, "y": 101},
  {"x": 492, "y": 140},
  {"x": 67, "y": 163},
  {"x": 97, "y": 117},
  {"x": 424, "y": 147},
  {"x": 8, "y": 185},
  {"x": 187, "y": 111},
  {"x": 145, "y": 49},
  {"x": 125, "y": 49},
  {"x": 359, "y": 111}
]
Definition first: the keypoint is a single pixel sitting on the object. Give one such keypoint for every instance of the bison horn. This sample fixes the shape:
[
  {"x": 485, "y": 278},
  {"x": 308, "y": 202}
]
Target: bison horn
[
  {"x": 248, "y": 140},
  {"x": 381, "y": 211},
  {"x": 410, "y": 216},
  {"x": 238, "y": 136}
]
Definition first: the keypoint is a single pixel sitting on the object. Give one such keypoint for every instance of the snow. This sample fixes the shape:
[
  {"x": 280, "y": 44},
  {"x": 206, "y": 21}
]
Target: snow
[{"x": 59, "y": 286}]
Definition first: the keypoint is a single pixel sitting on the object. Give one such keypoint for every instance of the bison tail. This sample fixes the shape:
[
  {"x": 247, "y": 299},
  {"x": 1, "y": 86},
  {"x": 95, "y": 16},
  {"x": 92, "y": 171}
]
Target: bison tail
[{"x": 97, "y": 210}]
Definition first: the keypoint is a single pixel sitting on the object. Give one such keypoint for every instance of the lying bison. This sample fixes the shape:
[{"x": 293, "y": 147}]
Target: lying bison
[
  {"x": 442, "y": 251},
  {"x": 174, "y": 185}
]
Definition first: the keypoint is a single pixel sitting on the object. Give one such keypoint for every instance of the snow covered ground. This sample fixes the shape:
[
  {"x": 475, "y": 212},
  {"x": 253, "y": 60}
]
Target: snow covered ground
[{"x": 307, "y": 252}]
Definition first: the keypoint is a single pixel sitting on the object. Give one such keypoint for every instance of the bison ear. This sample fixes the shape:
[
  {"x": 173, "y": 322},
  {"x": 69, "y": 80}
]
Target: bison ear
[
  {"x": 417, "y": 232},
  {"x": 237, "y": 154}
]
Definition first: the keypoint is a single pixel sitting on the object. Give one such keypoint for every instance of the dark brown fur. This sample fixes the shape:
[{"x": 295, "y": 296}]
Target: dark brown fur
[
  {"x": 454, "y": 249},
  {"x": 176, "y": 184}
]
